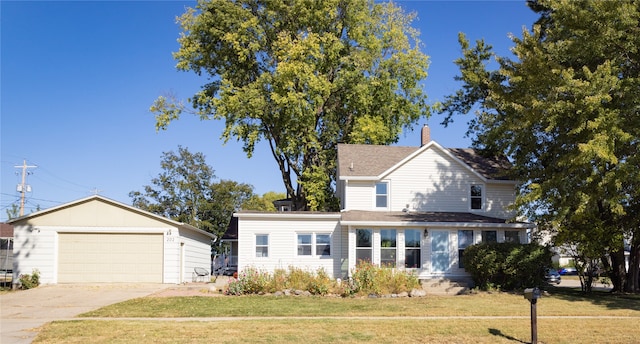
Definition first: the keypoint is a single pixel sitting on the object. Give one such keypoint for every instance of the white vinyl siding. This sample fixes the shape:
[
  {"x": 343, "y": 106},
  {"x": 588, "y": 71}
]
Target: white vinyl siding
[
  {"x": 283, "y": 242},
  {"x": 360, "y": 195},
  {"x": 498, "y": 197},
  {"x": 432, "y": 181},
  {"x": 35, "y": 248},
  {"x": 196, "y": 251}
]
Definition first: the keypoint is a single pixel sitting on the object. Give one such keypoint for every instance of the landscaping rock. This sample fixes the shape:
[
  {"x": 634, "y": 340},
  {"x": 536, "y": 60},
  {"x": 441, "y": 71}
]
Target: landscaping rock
[{"x": 418, "y": 293}]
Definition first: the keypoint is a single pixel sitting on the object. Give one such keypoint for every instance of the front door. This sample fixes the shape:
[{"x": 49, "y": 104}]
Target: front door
[{"x": 439, "y": 250}]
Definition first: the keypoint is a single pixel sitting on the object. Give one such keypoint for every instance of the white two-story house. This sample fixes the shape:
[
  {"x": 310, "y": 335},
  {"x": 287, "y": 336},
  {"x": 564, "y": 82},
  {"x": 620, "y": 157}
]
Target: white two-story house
[{"x": 412, "y": 208}]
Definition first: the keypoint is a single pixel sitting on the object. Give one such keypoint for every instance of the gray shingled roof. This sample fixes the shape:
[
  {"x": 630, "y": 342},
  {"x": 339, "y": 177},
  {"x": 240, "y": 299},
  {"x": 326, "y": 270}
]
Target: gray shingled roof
[
  {"x": 369, "y": 160},
  {"x": 358, "y": 160},
  {"x": 490, "y": 168},
  {"x": 399, "y": 216}
]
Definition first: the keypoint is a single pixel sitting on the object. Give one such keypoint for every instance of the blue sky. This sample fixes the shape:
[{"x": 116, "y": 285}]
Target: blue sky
[{"x": 78, "y": 77}]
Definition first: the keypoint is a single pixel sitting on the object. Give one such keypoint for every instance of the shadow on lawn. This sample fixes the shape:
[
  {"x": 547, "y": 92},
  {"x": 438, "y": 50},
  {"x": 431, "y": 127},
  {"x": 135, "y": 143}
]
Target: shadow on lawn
[
  {"x": 498, "y": 333},
  {"x": 600, "y": 298}
]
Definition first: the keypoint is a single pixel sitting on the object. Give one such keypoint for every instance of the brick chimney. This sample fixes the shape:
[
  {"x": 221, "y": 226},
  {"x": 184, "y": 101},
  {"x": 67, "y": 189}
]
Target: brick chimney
[{"x": 426, "y": 135}]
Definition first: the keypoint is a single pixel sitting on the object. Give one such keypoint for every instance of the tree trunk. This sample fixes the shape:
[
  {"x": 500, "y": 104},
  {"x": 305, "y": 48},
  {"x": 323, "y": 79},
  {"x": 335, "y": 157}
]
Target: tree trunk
[
  {"x": 633, "y": 277},
  {"x": 618, "y": 271}
]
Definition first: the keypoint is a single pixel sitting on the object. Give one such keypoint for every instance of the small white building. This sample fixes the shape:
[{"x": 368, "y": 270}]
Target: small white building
[{"x": 98, "y": 240}]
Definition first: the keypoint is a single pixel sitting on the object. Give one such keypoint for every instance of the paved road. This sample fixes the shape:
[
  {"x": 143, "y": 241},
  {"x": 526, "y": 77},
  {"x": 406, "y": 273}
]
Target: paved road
[
  {"x": 565, "y": 282},
  {"x": 22, "y": 312}
]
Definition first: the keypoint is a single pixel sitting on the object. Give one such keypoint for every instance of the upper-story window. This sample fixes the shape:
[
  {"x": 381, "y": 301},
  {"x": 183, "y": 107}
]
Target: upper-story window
[
  {"x": 476, "y": 196},
  {"x": 382, "y": 194}
]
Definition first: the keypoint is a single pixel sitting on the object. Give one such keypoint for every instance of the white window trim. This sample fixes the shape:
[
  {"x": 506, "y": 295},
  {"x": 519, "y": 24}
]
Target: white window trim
[
  {"x": 375, "y": 194},
  {"x": 395, "y": 248},
  {"x": 482, "y": 196},
  {"x": 369, "y": 248},
  {"x": 314, "y": 244},
  {"x": 267, "y": 246},
  {"x": 310, "y": 244},
  {"x": 405, "y": 248}
]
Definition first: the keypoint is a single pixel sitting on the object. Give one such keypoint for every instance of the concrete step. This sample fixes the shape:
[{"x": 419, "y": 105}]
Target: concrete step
[{"x": 446, "y": 286}]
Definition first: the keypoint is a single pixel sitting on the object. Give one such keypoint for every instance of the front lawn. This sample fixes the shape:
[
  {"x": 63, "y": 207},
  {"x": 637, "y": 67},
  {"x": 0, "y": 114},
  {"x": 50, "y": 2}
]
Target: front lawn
[
  {"x": 559, "y": 302},
  {"x": 564, "y": 316}
]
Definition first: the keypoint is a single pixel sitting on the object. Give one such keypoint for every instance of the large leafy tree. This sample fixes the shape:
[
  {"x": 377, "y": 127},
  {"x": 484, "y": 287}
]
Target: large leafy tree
[
  {"x": 187, "y": 191},
  {"x": 302, "y": 75},
  {"x": 566, "y": 110},
  {"x": 264, "y": 202}
]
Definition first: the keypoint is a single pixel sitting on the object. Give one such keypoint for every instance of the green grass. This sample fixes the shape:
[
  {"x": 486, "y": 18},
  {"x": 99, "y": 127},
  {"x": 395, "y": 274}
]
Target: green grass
[
  {"x": 340, "y": 320},
  {"x": 463, "y": 331},
  {"x": 559, "y": 302}
]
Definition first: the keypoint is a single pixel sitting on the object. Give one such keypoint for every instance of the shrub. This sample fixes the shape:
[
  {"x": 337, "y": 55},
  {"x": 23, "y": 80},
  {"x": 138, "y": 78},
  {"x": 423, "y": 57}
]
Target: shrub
[
  {"x": 30, "y": 281},
  {"x": 372, "y": 279},
  {"x": 249, "y": 281},
  {"x": 321, "y": 283},
  {"x": 506, "y": 266},
  {"x": 367, "y": 279}
]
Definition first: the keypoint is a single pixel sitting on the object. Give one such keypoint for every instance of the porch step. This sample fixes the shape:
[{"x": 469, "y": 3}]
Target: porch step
[{"x": 446, "y": 286}]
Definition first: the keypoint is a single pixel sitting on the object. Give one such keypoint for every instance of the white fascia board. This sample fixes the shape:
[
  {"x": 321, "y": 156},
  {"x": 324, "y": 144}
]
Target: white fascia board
[
  {"x": 289, "y": 215},
  {"x": 436, "y": 224},
  {"x": 110, "y": 230},
  {"x": 501, "y": 181},
  {"x": 359, "y": 178}
]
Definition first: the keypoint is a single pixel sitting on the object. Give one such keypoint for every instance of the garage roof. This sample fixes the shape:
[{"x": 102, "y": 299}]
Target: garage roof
[{"x": 113, "y": 203}]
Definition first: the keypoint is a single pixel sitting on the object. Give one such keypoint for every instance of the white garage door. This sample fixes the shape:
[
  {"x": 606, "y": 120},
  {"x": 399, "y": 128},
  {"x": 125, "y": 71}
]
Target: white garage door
[{"x": 107, "y": 257}]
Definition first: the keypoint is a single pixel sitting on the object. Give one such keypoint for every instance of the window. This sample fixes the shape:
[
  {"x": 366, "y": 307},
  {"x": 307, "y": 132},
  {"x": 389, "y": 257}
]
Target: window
[
  {"x": 262, "y": 245},
  {"x": 489, "y": 236},
  {"x": 304, "y": 244},
  {"x": 412, "y": 248},
  {"x": 512, "y": 236},
  {"x": 388, "y": 248},
  {"x": 465, "y": 239},
  {"x": 363, "y": 245},
  {"x": 381, "y": 195},
  {"x": 476, "y": 196},
  {"x": 323, "y": 244},
  {"x": 308, "y": 242}
]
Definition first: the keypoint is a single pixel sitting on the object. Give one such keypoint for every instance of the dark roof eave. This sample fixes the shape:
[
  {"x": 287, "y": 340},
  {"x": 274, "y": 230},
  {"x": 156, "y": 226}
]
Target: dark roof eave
[{"x": 358, "y": 216}]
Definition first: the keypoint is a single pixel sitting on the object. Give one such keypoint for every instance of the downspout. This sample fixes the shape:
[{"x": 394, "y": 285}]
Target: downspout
[{"x": 181, "y": 278}]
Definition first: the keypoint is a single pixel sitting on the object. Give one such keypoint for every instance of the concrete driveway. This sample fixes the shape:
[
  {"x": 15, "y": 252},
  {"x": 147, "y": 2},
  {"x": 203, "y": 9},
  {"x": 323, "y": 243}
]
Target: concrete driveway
[{"x": 23, "y": 312}]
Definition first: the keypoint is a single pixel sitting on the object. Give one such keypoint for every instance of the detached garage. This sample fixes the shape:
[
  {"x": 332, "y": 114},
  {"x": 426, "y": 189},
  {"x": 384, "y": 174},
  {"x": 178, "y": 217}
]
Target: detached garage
[{"x": 98, "y": 240}]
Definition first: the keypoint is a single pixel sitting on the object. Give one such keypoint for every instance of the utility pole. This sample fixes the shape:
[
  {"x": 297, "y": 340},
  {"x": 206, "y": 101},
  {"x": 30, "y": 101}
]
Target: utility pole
[{"x": 22, "y": 188}]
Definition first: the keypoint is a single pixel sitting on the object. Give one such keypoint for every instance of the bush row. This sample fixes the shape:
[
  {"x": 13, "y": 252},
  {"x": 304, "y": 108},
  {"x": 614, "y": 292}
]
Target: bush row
[
  {"x": 507, "y": 266},
  {"x": 367, "y": 279}
]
